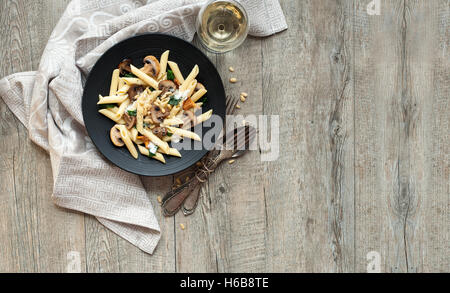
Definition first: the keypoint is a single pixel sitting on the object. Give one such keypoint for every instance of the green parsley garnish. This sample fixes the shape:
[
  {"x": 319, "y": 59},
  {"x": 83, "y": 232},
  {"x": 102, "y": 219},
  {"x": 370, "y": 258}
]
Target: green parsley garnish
[
  {"x": 173, "y": 101},
  {"x": 129, "y": 75},
  {"x": 170, "y": 75},
  {"x": 132, "y": 113},
  {"x": 107, "y": 106},
  {"x": 169, "y": 134}
]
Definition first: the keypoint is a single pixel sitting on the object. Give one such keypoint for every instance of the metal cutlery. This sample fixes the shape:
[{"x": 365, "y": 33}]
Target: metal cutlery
[
  {"x": 190, "y": 204},
  {"x": 233, "y": 145}
]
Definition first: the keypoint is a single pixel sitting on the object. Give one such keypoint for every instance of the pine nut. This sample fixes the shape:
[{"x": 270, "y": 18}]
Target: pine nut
[
  {"x": 233, "y": 80},
  {"x": 231, "y": 162},
  {"x": 244, "y": 95},
  {"x": 159, "y": 199},
  {"x": 238, "y": 107},
  {"x": 182, "y": 226},
  {"x": 231, "y": 69},
  {"x": 242, "y": 99}
]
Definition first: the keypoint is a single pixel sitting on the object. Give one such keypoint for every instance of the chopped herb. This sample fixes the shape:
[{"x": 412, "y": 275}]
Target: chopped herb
[
  {"x": 151, "y": 155},
  {"x": 169, "y": 134},
  {"x": 132, "y": 113},
  {"x": 173, "y": 101},
  {"x": 170, "y": 75},
  {"x": 129, "y": 75},
  {"x": 107, "y": 106}
]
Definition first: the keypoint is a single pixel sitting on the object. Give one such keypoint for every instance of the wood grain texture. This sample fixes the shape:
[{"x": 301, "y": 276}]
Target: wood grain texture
[
  {"x": 363, "y": 105},
  {"x": 29, "y": 242},
  {"x": 396, "y": 85},
  {"x": 309, "y": 189}
]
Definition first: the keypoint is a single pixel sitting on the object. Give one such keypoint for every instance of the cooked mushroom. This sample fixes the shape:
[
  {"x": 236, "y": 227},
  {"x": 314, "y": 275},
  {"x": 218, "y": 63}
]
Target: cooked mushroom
[
  {"x": 158, "y": 115},
  {"x": 151, "y": 67},
  {"x": 134, "y": 91},
  {"x": 167, "y": 86},
  {"x": 160, "y": 131},
  {"x": 189, "y": 119},
  {"x": 116, "y": 138},
  {"x": 129, "y": 120},
  {"x": 124, "y": 66}
]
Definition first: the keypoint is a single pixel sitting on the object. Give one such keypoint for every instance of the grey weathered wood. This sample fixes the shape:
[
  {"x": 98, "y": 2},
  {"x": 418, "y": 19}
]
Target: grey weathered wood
[
  {"x": 398, "y": 74},
  {"x": 430, "y": 80},
  {"x": 363, "y": 164},
  {"x": 29, "y": 241},
  {"x": 309, "y": 189}
]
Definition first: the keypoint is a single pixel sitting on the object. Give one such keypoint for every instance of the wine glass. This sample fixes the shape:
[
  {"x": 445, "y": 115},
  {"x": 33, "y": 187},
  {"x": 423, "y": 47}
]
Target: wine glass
[{"x": 222, "y": 25}]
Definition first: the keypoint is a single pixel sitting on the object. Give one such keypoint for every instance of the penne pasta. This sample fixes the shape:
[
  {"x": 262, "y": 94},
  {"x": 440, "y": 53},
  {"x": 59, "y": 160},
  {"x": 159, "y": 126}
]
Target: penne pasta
[
  {"x": 184, "y": 85},
  {"x": 123, "y": 90},
  {"x": 203, "y": 117},
  {"x": 114, "y": 109},
  {"x": 173, "y": 152},
  {"x": 121, "y": 83},
  {"x": 114, "y": 82},
  {"x": 127, "y": 140},
  {"x": 163, "y": 77},
  {"x": 198, "y": 95},
  {"x": 184, "y": 133},
  {"x": 163, "y": 64},
  {"x": 173, "y": 121},
  {"x": 147, "y": 79},
  {"x": 134, "y": 134},
  {"x": 146, "y": 152},
  {"x": 133, "y": 81},
  {"x": 111, "y": 115},
  {"x": 112, "y": 100},
  {"x": 122, "y": 108},
  {"x": 191, "y": 88},
  {"x": 154, "y": 139},
  {"x": 176, "y": 71}
]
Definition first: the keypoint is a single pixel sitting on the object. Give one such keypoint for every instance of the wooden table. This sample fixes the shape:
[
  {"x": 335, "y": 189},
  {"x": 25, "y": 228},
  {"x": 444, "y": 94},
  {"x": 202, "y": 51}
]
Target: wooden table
[{"x": 363, "y": 103}]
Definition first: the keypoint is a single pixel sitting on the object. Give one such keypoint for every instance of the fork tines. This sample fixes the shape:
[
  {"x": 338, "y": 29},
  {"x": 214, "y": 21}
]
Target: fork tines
[
  {"x": 240, "y": 138},
  {"x": 231, "y": 103}
]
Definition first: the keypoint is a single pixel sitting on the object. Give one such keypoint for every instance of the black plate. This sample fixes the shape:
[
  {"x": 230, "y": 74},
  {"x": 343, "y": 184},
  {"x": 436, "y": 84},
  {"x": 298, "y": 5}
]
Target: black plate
[{"x": 136, "y": 48}]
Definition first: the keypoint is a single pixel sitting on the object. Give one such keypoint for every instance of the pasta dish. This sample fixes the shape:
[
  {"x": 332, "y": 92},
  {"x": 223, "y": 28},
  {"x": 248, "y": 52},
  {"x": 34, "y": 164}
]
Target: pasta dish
[{"x": 153, "y": 106}]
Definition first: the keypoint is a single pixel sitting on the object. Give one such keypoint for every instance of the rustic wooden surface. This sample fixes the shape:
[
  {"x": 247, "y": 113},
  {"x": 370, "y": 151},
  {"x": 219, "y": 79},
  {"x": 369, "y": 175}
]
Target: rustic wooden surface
[{"x": 363, "y": 166}]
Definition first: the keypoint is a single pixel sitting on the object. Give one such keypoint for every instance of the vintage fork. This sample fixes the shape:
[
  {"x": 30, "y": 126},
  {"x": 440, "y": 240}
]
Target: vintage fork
[
  {"x": 190, "y": 204},
  {"x": 234, "y": 145}
]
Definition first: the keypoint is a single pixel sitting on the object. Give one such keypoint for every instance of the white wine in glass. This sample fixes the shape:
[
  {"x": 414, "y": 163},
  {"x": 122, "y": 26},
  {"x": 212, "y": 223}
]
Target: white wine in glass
[{"x": 222, "y": 25}]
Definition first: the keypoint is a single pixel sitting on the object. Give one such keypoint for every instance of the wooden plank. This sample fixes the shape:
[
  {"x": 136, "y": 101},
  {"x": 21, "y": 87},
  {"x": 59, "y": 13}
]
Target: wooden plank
[
  {"x": 428, "y": 80},
  {"x": 235, "y": 211},
  {"x": 309, "y": 189},
  {"x": 400, "y": 207},
  {"x": 378, "y": 49},
  {"x": 29, "y": 243}
]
